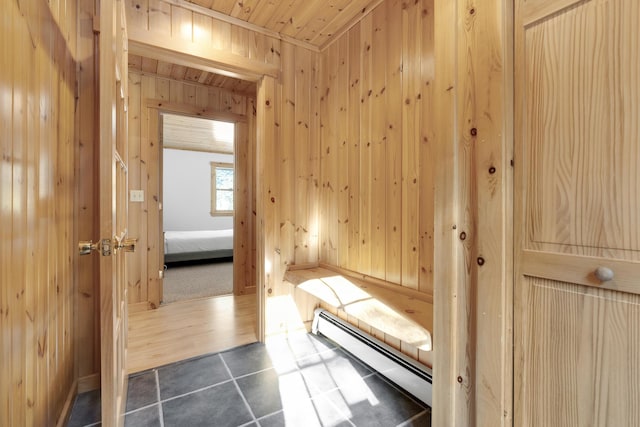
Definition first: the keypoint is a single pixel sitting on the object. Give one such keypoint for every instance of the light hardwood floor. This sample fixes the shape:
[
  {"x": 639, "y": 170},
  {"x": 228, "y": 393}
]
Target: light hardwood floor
[{"x": 187, "y": 329}]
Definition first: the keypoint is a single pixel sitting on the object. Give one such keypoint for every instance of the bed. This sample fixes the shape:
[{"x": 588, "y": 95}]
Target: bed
[{"x": 197, "y": 245}]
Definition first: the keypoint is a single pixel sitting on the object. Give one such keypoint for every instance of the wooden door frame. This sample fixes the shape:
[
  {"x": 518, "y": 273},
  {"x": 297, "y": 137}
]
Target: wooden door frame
[
  {"x": 239, "y": 67},
  {"x": 152, "y": 110},
  {"x": 263, "y": 127},
  {"x": 473, "y": 270}
]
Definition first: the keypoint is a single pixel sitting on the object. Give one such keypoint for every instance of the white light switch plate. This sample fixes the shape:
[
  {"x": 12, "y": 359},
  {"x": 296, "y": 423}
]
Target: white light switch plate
[{"x": 136, "y": 195}]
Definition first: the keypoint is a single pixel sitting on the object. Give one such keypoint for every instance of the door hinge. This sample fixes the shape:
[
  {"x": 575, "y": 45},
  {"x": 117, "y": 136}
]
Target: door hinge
[{"x": 96, "y": 24}]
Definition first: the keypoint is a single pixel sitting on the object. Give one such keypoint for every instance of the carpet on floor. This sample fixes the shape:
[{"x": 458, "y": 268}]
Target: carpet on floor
[{"x": 200, "y": 280}]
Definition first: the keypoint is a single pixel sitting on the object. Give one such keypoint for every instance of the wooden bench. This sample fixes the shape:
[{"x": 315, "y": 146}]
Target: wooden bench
[{"x": 401, "y": 313}]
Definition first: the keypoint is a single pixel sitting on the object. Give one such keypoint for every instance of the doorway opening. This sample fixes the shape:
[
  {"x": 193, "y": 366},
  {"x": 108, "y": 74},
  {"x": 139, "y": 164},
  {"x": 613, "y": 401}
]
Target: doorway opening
[
  {"x": 198, "y": 169},
  {"x": 200, "y": 325}
]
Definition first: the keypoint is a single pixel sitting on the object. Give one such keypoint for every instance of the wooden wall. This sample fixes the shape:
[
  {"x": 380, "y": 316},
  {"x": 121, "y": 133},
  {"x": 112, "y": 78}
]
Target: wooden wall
[
  {"x": 38, "y": 243},
  {"x": 288, "y": 162},
  {"x": 377, "y": 137},
  {"x": 291, "y": 167},
  {"x": 389, "y": 154},
  {"x": 415, "y": 181},
  {"x": 473, "y": 229}
]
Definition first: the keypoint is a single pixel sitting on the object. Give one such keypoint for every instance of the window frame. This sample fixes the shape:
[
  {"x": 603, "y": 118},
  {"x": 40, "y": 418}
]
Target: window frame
[{"x": 214, "y": 189}]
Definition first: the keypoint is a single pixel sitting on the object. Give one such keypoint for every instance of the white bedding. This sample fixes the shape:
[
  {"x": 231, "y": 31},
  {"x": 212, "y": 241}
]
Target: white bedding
[{"x": 197, "y": 241}]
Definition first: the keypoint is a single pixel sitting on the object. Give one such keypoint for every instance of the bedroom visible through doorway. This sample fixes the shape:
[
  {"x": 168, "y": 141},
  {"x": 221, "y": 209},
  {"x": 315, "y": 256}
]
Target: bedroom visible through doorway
[{"x": 198, "y": 207}]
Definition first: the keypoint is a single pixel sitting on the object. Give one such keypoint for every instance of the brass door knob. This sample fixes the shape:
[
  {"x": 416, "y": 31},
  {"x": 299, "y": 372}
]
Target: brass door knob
[
  {"x": 103, "y": 246},
  {"x": 85, "y": 248}
]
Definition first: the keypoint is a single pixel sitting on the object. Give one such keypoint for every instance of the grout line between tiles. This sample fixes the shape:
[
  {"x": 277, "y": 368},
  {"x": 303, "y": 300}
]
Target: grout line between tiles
[
  {"x": 160, "y": 411},
  {"x": 269, "y": 415},
  {"x": 244, "y": 399},
  {"x": 195, "y": 391},
  {"x": 253, "y": 373},
  {"x": 250, "y": 423},
  {"x": 408, "y": 422},
  {"x": 142, "y": 408}
]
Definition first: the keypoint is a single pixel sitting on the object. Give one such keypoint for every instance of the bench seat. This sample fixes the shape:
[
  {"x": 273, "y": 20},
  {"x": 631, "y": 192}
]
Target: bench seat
[{"x": 402, "y": 313}]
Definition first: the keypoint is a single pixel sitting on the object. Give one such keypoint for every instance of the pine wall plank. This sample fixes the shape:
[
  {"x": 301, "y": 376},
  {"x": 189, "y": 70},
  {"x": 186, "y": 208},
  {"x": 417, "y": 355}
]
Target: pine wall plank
[
  {"x": 304, "y": 174},
  {"x": 353, "y": 153},
  {"x": 377, "y": 192},
  {"x": 6, "y": 147},
  {"x": 134, "y": 275},
  {"x": 243, "y": 242},
  {"x": 411, "y": 129},
  {"x": 285, "y": 116},
  {"x": 364, "y": 167},
  {"x": 328, "y": 161},
  {"x": 38, "y": 211}
]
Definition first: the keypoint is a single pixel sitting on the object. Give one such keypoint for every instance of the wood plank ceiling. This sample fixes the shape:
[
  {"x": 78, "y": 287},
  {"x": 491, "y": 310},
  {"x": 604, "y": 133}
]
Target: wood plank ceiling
[
  {"x": 314, "y": 23},
  {"x": 311, "y": 21}
]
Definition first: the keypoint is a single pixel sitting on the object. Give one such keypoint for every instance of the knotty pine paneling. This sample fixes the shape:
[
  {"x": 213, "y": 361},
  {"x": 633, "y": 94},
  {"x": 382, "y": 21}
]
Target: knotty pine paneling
[
  {"x": 315, "y": 22},
  {"x": 482, "y": 291},
  {"x": 296, "y": 159},
  {"x": 163, "y": 19},
  {"x": 288, "y": 178},
  {"x": 244, "y": 245},
  {"x": 376, "y": 168},
  {"x": 37, "y": 211},
  {"x": 285, "y": 117}
]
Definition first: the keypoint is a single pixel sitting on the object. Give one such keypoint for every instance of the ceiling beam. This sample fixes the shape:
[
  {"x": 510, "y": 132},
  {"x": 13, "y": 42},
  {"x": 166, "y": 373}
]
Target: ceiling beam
[{"x": 203, "y": 57}]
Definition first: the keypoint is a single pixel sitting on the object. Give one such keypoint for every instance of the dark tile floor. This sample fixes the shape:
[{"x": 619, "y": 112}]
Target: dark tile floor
[{"x": 300, "y": 380}]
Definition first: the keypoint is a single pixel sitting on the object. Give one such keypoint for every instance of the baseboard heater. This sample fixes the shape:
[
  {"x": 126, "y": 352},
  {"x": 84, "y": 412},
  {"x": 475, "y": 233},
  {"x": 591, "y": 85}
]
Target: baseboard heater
[{"x": 408, "y": 374}]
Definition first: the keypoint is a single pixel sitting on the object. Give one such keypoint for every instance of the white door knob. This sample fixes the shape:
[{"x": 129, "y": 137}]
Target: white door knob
[{"x": 604, "y": 274}]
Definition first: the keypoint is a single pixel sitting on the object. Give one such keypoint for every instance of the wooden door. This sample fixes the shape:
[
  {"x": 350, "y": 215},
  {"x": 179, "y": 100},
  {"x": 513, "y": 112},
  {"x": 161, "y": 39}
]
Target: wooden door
[
  {"x": 577, "y": 209},
  {"x": 113, "y": 210}
]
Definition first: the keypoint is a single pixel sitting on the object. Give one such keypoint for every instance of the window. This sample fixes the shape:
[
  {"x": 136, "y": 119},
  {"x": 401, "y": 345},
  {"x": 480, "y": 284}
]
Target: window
[{"x": 221, "y": 189}]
